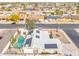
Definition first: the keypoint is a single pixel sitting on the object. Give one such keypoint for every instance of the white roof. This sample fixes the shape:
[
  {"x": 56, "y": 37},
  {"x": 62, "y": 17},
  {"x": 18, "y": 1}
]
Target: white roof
[{"x": 44, "y": 39}]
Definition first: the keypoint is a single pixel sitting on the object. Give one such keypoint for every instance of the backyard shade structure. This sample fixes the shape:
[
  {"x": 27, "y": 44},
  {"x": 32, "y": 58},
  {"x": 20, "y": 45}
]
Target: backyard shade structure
[{"x": 28, "y": 42}]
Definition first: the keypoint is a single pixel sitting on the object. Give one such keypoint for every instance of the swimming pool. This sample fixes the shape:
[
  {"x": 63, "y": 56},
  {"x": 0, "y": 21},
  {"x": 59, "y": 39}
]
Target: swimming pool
[{"x": 20, "y": 42}]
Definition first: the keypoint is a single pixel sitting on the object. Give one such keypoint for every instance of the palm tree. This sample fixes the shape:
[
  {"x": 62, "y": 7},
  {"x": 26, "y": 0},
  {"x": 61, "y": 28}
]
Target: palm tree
[
  {"x": 30, "y": 24},
  {"x": 59, "y": 13}
]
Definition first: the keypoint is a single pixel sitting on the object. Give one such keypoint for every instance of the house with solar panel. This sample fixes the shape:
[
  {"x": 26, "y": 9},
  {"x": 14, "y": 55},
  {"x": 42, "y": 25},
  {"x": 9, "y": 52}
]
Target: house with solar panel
[
  {"x": 37, "y": 42},
  {"x": 40, "y": 43}
]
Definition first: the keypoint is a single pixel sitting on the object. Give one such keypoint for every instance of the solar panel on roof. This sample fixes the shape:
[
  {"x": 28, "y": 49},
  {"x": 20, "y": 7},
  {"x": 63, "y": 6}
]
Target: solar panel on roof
[{"x": 50, "y": 46}]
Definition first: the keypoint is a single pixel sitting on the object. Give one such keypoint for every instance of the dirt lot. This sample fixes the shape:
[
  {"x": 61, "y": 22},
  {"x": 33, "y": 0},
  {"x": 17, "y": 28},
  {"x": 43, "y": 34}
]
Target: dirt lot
[{"x": 59, "y": 35}]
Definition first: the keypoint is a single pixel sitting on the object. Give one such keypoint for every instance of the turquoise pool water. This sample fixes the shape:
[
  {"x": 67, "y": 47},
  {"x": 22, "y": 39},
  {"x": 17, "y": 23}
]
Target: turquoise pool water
[{"x": 19, "y": 43}]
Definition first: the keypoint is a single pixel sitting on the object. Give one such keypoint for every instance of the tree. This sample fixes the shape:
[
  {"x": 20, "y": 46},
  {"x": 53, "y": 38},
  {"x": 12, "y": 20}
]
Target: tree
[
  {"x": 57, "y": 12},
  {"x": 52, "y": 13},
  {"x": 30, "y": 24},
  {"x": 77, "y": 10},
  {"x": 7, "y": 9},
  {"x": 13, "y": 40},
  {"x": 61, "y": 12},
  {"x": 24, "y": 6},
  {"x": 14, "y": 17}
]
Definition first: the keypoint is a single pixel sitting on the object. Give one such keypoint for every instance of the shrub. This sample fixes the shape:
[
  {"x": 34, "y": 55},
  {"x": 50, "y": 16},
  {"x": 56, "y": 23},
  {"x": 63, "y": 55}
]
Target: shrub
[{"x": 13, "y": 40}]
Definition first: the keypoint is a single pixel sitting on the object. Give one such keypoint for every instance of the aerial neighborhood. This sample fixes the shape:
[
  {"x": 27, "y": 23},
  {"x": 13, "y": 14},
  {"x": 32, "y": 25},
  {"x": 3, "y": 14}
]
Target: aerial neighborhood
[{"x": 44, "y": 28}]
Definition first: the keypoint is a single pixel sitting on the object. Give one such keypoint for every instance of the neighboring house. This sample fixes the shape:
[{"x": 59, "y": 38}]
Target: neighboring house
[
  {"x": 4, "y": 15},
  {"x": 35, "y": 16},
  {"x": 70, "y": 16},
  {"x": 22, "y": 15}
]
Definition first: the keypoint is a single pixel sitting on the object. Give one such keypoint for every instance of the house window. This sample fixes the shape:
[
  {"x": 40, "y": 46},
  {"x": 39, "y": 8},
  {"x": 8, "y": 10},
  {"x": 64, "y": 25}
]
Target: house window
[
  {"x": 37, "y": 36},
  {"x": 38, "y": 31}
]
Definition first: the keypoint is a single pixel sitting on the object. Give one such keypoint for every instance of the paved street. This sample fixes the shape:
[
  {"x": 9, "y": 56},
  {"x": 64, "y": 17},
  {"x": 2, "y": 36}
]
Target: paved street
[
  {"x": 6, "y": 36},
  {"x": 51, "y": 26},
  {"x": 74, "y": 36}
]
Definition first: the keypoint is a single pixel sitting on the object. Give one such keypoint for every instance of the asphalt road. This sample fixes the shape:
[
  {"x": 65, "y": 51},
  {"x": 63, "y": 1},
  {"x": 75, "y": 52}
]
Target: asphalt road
[
  {"x": 6, "y": 36},
  {"x": 73, "y": 35},
  {"x": 48, "y": 26}
]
